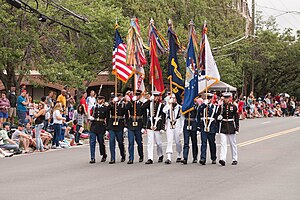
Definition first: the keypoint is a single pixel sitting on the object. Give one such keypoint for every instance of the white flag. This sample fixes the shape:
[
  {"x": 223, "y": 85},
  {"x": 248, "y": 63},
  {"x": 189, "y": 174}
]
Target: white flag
[{"x": 210, "y": 72}]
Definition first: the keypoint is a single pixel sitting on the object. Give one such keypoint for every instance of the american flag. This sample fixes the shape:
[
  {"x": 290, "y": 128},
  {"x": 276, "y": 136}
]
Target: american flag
[{"x": 120, "y": 68}]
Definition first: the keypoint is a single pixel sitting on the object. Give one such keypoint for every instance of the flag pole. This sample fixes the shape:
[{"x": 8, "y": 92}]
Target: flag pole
[
  {"x": 116, "y": 91},
  {"x": 206, "y": 110},
  {"x": 116, "y": 82},
  {"x": 134, "y": 91},
  {"x": 171, "y": 87},
  {"x": 152, "y": 75}
]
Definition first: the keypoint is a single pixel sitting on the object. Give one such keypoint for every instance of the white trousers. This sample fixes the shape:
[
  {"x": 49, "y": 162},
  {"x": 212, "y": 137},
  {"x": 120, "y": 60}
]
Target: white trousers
[
  {"x": 171, "y": 135},
  {"x": 232, "y": 141},
  {"x": 154, "y": 137}
]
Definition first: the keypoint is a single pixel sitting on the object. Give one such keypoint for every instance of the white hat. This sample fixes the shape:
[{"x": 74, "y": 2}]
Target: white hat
[
  {"x": 156, "y": 93},
  {"x": 227, "y": 94}
]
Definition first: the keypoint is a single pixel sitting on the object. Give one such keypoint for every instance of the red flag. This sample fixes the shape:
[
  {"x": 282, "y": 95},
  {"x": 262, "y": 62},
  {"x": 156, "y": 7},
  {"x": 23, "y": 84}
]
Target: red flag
[{"x": 155, "y": 70}]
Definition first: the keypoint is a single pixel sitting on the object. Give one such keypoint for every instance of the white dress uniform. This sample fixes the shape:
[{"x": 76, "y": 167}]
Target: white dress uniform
[{"x": 175, "y": 131}]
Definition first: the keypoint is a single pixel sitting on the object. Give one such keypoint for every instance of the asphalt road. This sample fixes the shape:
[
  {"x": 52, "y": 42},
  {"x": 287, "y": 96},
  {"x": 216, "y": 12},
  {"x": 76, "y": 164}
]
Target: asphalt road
[{"x": 269, "y": 168}]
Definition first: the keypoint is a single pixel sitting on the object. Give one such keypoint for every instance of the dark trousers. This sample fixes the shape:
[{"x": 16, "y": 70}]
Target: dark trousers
[
  {"x": 186, "y": 136},
  {"x": 113, "y": 136},
  {"x": 77, "y": 134},
  {"x": 21, "y": 116},
  {"x": 211, "y": 138},
  {"x": 139, "y": 140},
  {"x": 57, "y": 134},
  {"x": 100, "y": 138}
]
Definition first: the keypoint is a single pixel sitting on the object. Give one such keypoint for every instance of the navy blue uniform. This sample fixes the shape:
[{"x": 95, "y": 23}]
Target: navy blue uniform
[
  {"x": 209, "y": 127},
  {"x": 115, "y": 126},
  {"x": 100, "y": 115},
  {"x": 190, "y": 130},
  {"x": 135, "y": 124}
]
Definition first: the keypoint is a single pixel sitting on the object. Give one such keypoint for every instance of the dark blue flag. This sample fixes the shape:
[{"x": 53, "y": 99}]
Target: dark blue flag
[
  {"x": 174, "y": 70},
  {"x": 191, "y": 79}
]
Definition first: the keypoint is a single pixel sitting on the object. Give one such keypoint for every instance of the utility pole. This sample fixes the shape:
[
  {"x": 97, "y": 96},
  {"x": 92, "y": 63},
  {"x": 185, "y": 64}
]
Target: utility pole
[{"x": 253, "y": 35}]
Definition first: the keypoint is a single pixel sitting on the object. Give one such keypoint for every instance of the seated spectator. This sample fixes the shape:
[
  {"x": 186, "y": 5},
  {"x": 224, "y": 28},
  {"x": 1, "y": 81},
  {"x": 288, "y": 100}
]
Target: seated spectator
[
  {"x": 21, "y": 138},
  {"x": 8, "y": 144},
  {"x": 278, "y": 111},
  {"x": 266, "y": 112},
  {"x": 29, "y": 132},
  {"x": 72, "y": 133}
]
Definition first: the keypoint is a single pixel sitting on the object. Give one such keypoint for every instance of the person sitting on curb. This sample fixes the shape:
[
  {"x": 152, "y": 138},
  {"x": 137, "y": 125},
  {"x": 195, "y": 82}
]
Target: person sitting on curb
[
  {"x": 22, "y": 138},
  {"x": 7, "y": 144}
]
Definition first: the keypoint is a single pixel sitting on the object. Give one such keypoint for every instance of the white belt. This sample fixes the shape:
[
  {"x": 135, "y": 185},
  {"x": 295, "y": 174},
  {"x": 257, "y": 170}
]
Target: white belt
[
  {"x": 210, "y": 118},
  {"x": 227, "y": 120}
]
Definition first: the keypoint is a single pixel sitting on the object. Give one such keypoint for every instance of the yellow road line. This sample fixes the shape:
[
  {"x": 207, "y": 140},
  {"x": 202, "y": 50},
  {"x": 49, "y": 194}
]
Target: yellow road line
[{"x": 268, "y": 137}]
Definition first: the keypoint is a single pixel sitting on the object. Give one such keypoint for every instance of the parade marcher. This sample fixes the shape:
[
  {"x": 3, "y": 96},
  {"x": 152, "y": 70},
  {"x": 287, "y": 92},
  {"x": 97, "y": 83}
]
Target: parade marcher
[
  {"x": 116, "y": 126},
  {"x": 207, "y": 119},
  {"x": 135, "y": 126},
  {"x": 229, "y": 126},
  {"x": 99, "y": 117},
  {"x": 174, "y": 128},
  {"x": 190, "y": 130},
  {"x": 155, "y": 125}
]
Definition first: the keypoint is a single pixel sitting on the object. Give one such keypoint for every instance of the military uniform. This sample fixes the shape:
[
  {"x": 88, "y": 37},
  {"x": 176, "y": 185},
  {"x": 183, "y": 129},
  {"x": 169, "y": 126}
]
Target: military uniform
[
  {"x": 190, "y": 131},
  {"x": 99, "y": 116},
  {"x": 115, "y": 126},
  {"x": 155, "y": 123},
  {"x": 207, "y": 118},
  {"x": 174, "y": 125},
  {"x": 229, "y": 125},
  {"x": 135, "y": 125}
]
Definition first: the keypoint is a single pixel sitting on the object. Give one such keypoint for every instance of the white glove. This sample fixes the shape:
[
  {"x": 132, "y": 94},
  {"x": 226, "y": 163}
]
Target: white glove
[
  {"x": 237, "y": 132},
  {"x": 220, "y": 117},
  {"x": 116, "y": 99},
  {"x": 205, "y": 101},
  {"x": 162, "y": 131},
  {"x": 91, "y": 118},
  {"x": 106, "y": 104},
  {"x": 152, "y": 98},
  {"x": 125, "y": 130},
  {"x": 143, "y": 131},
  {"x": 171, "y": 101},
  {"x": 198, "y": 132},
  {"x": 134, "y": 98}
]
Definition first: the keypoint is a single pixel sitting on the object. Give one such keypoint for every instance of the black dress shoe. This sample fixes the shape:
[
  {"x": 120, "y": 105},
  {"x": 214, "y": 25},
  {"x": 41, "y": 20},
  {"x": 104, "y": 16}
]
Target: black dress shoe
[
  {"x": 92, "y": 161},
  {"x": 130, "y": 162},
  {"x": 222, "y": 162},
  {"x": 103, "y": 159},
  {"x": 168, "y": 162},
  {"x": 141, "y": 159},
  {"x": 184, "y": 162},
  {"x": 178, "y": 160},
  {"x": 161, "y": 158},
  {"x": 195, "y": 161},
  {"x": 214, "y": 162},
  {"x": 112, "y": 162},
  {"x": 149, "y": 161},
  {"x": 234, "y": 162},
  {"x": 202, "y": 162},
  {"x": 123, "y": 159}
]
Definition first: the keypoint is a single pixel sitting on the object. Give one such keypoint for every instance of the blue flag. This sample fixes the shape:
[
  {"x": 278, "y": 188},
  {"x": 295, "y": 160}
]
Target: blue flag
[
  {"x": 191, "y": 79},
  {"x": 174, "y": 70}
]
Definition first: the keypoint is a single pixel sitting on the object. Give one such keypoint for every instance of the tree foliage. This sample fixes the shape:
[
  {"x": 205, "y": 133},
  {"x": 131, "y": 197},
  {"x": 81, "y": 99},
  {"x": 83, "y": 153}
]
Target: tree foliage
[{"x": 67, "y": 57}]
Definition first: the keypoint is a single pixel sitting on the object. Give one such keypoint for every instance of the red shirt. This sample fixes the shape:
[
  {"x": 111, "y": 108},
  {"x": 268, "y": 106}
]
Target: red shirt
[
  {"x": 240, "y": 106},
  {"x": 83, "y": 102}
]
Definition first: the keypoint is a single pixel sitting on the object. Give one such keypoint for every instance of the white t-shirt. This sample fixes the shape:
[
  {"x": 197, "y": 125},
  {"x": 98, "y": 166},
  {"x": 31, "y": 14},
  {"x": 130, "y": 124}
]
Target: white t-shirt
[
  {"x": 56, "y": 114},
  {"x": 91, "y": 101}
]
